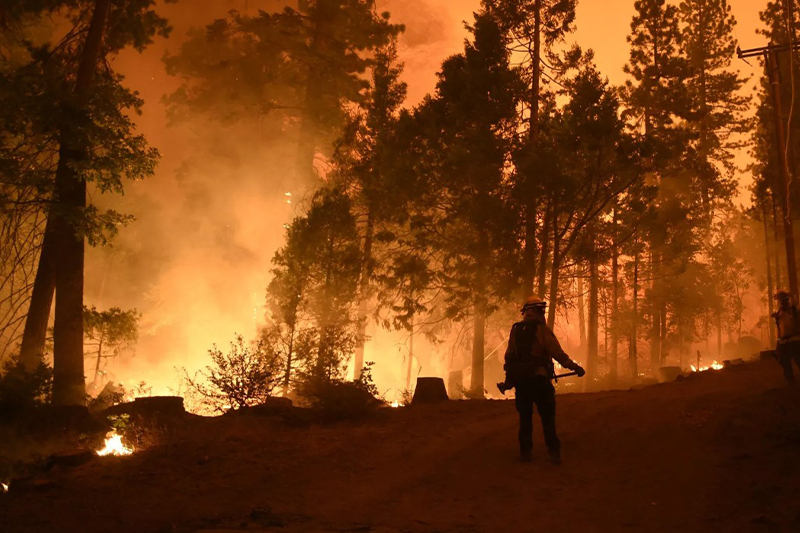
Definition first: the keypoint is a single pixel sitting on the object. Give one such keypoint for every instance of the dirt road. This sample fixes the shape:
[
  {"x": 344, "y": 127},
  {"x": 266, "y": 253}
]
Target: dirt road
[{"x": 716, "y": 452}]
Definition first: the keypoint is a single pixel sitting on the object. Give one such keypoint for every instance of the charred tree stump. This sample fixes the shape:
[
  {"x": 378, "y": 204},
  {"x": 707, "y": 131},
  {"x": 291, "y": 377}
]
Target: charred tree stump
[{"x": 429, "y": 390}]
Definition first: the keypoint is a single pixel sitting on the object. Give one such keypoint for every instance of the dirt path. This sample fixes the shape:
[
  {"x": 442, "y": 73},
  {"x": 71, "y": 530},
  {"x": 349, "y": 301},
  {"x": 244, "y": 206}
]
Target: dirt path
[{"x": 715, "y": 452}]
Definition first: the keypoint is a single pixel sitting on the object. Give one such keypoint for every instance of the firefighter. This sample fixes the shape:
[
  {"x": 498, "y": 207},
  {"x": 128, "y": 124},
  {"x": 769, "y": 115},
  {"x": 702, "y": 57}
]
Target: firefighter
[
  {"x": 532, "y": 346},
  {"x": 788, "y": 322}
]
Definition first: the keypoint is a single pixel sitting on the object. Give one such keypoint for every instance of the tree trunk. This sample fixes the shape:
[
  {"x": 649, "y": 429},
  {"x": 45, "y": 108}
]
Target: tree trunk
[
  {"x": 777, "y": 243},
  {"x": 719, "y": 334},
  {"x": 324, "y": 354},
  {"x": 662, "y": 314},
  {"x": 554, "y": 277},
  {"x": 533, "y": 134},
  {"x": 34, "y": 335},
  {"x": 479, "y": 323},
  {"x": 633, "y": 356},
  {"x": 35, "y": 332},
  {"x": 655, "y": 324},
  {"x": 770, "y": 288},
  {"x": 591, "y": 361},
  {"x": 614, "y": 301},
  {"x": 581, "y": 313},
  {"x": 69, "y": 382},
  {"x": 544, "y": 251},
  {"x": 410, "y": 355},
  {"x": 363, "y": 306},
  {"x": 786, "y": 177},
  {"x": 97, "y": 363},
  {"x": 530, "y": 249},
  {"x": 701, "y": 48},
  {"x": 287, "y": 374}
]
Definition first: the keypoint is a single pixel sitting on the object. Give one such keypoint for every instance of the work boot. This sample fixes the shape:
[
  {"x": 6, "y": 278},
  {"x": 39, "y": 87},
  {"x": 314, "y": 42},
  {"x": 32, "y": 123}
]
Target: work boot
[{"x": 555, "y": 457}]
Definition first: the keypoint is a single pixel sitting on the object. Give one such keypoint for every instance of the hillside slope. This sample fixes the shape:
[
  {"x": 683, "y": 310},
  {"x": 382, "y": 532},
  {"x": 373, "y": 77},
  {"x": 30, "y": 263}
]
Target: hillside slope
[{"x": 718, "y": 451}]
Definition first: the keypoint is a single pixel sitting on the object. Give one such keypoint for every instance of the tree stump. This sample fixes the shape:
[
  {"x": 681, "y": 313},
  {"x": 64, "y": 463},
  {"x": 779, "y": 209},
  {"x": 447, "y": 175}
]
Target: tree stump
[{"x": 429, "y": 390}]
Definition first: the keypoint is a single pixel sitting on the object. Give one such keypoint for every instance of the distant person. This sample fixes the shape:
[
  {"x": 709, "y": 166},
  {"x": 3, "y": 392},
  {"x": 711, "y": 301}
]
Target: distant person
[
  {"x": 532, "y": 346},
  {"x": 788, "y": 322}
]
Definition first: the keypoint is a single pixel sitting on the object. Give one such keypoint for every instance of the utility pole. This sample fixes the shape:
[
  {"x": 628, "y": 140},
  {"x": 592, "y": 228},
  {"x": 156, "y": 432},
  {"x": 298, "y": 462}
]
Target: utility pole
[{"x": 770, "y": 56}]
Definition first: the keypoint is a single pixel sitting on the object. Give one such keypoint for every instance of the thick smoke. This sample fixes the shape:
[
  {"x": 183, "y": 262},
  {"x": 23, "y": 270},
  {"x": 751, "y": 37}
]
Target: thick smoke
[{"x": 196, "y": 261}]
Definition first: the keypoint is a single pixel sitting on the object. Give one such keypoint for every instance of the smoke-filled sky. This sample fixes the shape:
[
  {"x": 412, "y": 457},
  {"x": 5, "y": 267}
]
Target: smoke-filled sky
[{"x": 196, "y": 263}]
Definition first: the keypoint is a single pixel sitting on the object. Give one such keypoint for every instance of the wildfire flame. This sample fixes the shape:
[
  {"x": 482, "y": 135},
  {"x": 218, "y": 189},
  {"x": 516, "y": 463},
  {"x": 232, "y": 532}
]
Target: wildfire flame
[
  {"x": 5, "y": 487},
  {"x": 114, "y": 445},
  {"x": 713, "y": 366},
  {"x": 396, "y": 404}
]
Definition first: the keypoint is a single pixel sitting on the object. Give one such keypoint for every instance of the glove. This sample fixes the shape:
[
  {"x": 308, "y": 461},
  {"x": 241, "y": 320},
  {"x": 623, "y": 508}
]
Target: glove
[{"x": 579, "y": 369}]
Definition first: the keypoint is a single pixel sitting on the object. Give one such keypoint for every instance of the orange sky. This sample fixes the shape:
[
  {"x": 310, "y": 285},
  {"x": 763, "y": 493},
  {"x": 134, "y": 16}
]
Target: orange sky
[{"x": 434, "y": 31}]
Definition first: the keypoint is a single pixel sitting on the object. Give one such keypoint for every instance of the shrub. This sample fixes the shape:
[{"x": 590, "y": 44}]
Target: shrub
[
  {"x": 244, "y": 376},
  {"x": 336, "y": 399},
  {"x": 20, "y": 390}
]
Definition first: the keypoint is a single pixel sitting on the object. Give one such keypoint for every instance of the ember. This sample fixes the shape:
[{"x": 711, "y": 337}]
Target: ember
[
  {"x": 5, "y": 487},
  {"x": 114, "y": 445}
]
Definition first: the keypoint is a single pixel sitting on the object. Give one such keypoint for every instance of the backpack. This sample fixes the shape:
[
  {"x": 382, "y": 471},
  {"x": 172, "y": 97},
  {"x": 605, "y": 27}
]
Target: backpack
[{"x": 531, "y": 355}]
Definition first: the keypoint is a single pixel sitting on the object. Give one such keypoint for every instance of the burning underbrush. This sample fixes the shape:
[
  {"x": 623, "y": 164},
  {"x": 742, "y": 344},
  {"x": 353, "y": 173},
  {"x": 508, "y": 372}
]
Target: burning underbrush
[{"x": 113, "y": 445}]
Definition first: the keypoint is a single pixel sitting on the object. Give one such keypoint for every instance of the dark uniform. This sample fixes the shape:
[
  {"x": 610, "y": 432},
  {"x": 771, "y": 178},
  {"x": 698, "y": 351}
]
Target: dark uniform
[
  {"x": 532, "y": 346},
  {"x": 788, "y": 348}
]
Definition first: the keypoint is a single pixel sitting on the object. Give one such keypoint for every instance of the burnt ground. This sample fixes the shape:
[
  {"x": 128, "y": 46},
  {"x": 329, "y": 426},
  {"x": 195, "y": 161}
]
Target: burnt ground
[{"x": 716, "y": 452}]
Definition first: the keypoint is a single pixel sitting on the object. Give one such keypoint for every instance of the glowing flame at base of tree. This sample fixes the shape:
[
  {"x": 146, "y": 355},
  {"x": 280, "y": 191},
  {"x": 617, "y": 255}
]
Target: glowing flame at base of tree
[
  {"x": 4, "y": 487},
  {"x": 114, "y": 446},
  {"x": 396, "y": 404}
]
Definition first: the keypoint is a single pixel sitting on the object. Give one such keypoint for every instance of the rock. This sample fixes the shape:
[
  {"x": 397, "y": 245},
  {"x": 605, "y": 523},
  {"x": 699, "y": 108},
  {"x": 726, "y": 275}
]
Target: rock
[
  {"x": 429, "y": 390},
  {"x": 669, "y": 373}
]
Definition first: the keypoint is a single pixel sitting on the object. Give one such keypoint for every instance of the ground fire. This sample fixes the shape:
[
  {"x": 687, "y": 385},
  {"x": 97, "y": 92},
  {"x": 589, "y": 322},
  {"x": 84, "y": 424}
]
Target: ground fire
[{"x": 113, "y": 445}]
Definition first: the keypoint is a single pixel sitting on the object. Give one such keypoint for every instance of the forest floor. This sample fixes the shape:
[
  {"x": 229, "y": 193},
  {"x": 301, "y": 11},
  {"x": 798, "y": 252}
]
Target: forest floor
[{"x": 719, "y": 451}]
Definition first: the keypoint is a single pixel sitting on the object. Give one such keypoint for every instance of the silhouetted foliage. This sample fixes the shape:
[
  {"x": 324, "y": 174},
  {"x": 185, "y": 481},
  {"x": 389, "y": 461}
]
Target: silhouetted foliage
[{"x": 243, "y": 376}]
